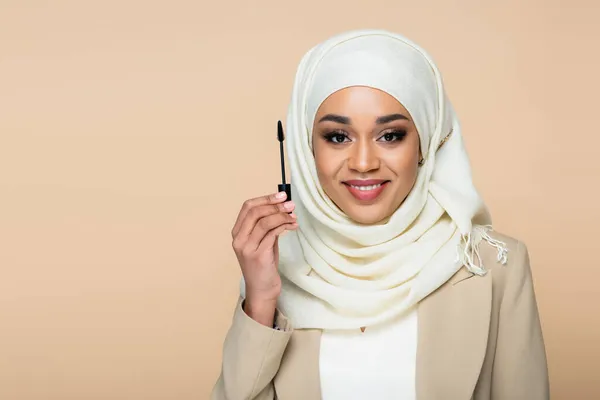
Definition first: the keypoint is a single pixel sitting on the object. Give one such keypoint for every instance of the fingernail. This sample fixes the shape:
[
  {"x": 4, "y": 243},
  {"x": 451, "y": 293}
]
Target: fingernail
[
  {"x": 293, "y": 215},
  {"x": 280, "y": 195},
  {"x": 288, "y": 205}
]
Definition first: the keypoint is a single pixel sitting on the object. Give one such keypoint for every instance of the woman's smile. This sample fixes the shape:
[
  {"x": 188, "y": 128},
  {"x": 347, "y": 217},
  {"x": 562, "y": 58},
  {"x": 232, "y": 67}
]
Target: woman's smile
[{"x": 366, "y": 190}]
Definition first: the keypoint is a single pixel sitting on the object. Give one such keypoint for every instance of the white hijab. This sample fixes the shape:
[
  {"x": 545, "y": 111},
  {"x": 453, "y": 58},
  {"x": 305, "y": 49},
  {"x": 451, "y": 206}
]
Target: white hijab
[{"x": 338, "y": 274}]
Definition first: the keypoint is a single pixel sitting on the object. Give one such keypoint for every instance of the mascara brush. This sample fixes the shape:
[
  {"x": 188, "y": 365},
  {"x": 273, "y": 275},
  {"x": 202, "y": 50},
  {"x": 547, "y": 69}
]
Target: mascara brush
[{"x": 283, "y": 187}]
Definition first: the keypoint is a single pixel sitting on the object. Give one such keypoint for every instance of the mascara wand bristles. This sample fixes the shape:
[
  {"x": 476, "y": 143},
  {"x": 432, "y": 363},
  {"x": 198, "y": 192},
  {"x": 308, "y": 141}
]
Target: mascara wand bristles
[{"x": 280, "y": 137}]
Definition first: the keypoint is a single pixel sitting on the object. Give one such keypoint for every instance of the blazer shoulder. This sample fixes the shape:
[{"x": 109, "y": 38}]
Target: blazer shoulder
[
  {"x": 511, "y": 242},
  {"x": 517, "y": 266},
  {"x": 489, "y": 252}
]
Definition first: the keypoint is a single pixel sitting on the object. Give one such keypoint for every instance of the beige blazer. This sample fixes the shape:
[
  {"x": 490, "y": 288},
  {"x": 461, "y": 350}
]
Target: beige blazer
[{"x": 479, "y": 338}]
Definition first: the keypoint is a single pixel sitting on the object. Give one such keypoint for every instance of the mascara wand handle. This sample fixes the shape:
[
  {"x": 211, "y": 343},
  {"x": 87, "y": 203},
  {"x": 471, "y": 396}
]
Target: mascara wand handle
[{"x": 287, "y": 188}]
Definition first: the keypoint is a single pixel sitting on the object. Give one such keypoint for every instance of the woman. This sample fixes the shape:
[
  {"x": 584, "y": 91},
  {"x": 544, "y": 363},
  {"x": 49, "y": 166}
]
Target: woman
[{"x": 390, "y": 283}]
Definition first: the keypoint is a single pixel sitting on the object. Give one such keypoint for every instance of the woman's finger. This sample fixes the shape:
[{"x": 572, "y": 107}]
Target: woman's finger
[
  {"x": 271, "y": 237},
  {"x": 265, "y": 225},
  {"x": 248, "y": 205},
  {"x": 257, "y": 213}
]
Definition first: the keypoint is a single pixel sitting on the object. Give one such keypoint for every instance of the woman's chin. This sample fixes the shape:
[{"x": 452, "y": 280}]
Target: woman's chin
[{"x": 373, "y": 214}]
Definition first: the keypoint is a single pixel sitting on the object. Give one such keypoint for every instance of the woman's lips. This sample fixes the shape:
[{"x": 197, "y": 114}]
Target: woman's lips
[{"x": 366, "y": 190}]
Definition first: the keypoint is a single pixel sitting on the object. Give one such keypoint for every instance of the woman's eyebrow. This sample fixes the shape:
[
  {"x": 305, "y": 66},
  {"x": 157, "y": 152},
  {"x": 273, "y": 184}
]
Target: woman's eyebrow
[
  {"x": 340, "y": 119},
  {"x": 389, "y": 118}
]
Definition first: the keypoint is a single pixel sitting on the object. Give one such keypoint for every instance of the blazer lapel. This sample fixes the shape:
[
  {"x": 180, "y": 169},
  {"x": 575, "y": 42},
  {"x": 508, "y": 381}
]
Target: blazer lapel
[{"x": 453, "y": 326}]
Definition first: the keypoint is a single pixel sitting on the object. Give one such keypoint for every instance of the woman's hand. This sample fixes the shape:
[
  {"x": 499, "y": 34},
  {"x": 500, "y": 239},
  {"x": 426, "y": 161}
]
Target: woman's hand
[{"x": 255, "y": 242}]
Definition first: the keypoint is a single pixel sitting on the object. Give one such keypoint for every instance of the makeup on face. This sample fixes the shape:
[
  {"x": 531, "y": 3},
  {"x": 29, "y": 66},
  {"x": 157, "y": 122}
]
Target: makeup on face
[
  {"x": 340, "y": 136},
  {"x": 365, "y": 190},
  {"x": 366, "y": 150}
]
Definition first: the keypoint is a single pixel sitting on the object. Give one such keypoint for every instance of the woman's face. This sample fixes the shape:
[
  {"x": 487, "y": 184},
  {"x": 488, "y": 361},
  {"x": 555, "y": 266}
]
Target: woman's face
[{"x": 366, "y": 149}]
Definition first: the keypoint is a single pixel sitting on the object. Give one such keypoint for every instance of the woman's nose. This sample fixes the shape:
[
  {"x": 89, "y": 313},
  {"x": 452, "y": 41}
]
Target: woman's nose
[{"x": 363, "y": 157}]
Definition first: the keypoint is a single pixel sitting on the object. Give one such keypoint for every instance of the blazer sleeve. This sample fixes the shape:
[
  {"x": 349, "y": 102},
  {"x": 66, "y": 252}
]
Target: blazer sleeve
[
  {"x": 520, "y": 368},
  {"x": 252, "y": 354}
]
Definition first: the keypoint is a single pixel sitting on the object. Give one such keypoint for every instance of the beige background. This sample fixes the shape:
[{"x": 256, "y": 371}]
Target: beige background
[{"x": 131, "y": 132}]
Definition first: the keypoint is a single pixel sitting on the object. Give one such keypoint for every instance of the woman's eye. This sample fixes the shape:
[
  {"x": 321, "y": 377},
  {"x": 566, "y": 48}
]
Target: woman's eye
[
  {"x": 335, "y": 137},
  {"x": 393, "y": 136},
  {"x": 339, "y": 138}
]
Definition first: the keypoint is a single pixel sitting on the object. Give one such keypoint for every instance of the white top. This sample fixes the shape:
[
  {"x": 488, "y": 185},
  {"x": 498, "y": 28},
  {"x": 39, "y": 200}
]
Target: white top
[{"x": 378, "y": 363}]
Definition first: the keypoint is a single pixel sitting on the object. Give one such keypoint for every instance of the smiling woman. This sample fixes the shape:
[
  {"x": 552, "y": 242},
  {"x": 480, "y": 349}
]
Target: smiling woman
[
  {"x": 367, "y": 158},
  {"x": 391, "y": 282}
]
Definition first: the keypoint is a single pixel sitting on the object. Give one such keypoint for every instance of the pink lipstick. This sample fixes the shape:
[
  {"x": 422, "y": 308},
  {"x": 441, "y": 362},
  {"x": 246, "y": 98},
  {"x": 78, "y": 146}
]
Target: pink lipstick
[{"x": 366, "y": 190}]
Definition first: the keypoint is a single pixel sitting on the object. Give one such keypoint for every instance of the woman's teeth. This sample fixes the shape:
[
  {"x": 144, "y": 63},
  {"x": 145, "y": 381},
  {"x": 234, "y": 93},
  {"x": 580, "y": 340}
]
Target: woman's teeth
[{"x": 365, "y": 188}]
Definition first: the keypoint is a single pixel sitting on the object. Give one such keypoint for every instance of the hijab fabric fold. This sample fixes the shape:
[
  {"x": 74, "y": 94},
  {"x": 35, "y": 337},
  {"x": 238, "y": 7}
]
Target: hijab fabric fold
[{"x": 338, "y": 274}]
